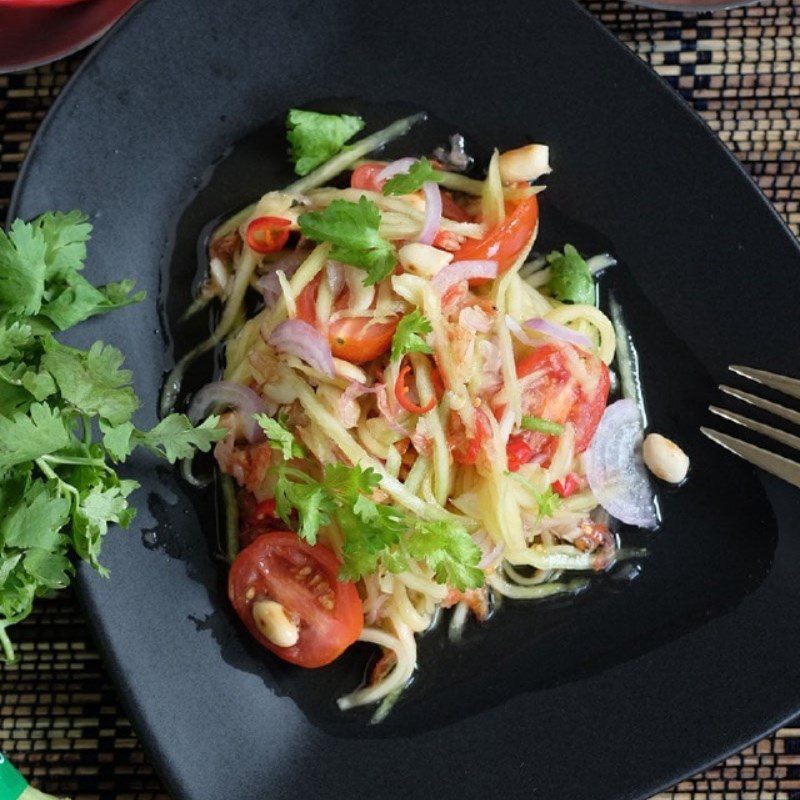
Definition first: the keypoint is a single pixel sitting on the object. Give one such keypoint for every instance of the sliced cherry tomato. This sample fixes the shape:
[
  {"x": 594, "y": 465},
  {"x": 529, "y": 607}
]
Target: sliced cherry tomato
[
  {"x": 504, "y": 242},
  {"x": 466, "y": 448},
  {"x": 557, "y": 396},
  {"x": 268, "y": 234},
  {"x": 360, "y": 339},
  {"x": 280, "y": 566},
  {"x": 364, "y": 177},
  {"x": 401, "y": 392},
  {"x": 355, "y": 339},
  {"x": 452, "y": 210},
  {"x": 568, "y": 486}
]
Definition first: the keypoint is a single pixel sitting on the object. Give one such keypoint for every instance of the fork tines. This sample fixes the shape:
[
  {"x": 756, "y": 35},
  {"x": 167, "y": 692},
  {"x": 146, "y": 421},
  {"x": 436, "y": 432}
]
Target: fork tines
[{"x": 778, "y": 465}]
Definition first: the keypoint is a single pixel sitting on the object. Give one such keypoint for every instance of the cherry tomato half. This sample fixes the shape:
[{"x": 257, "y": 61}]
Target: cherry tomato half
[
  {"x": 354, "y": 339},
  {"x": 558, "y": 397},
  {"x": 504, "y": 242},
  {"x": 280, "y": 566},
  {"x": 268, "y": 234}
]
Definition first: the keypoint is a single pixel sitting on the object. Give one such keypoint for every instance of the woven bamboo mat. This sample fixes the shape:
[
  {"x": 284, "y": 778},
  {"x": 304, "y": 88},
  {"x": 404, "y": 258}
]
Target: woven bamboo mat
[{"x": 60, "y": 721}]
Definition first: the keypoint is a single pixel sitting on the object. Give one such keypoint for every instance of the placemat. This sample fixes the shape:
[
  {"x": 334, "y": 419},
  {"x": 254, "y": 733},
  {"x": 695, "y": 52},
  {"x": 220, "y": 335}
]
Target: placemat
[{"x": 60, "y": 720}]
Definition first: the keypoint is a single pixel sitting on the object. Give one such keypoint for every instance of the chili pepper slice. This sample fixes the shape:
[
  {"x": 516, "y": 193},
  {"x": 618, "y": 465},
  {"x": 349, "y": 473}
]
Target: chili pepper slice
[
  {"x": 268, "y": 234},
  {"x": 401, "y": 392}
]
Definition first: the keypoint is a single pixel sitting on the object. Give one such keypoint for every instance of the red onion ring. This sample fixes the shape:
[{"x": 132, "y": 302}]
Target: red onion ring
[
  {"x": 433, "y": 212},
  {"x": 234, "y": 395},
  {"x": 457, "y": 271},
  {"x": 395, "y": 168},
  {"x": 615, "y": 469},
  {"x": 559, "y": 332},
  {"x": 300, "y": 339},
  {"x": 270, "y": 288}
]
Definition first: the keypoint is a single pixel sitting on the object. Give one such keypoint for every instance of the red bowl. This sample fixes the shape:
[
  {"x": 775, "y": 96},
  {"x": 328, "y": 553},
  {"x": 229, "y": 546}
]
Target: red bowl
[{"x": 34, "y": 32}]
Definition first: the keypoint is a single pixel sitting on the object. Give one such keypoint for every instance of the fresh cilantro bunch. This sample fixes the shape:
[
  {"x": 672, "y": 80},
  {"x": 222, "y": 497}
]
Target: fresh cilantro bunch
[
  {"x": 58, "y": 492},
  {"x": 315, "y": 137},
  {"x": 420, "y": 172},
  {"x": 352, "y": 229},
  {"x": 571, "y": 280},
  {"x": 375, "y": 534}
]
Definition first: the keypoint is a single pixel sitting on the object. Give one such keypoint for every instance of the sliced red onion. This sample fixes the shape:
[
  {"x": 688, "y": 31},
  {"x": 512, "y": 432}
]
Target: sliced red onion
[
  {"x": 300, "y": 339},
  {"x": 457, "y": 271},
  {"x": 456, "y": 158},
  {"x": 615, "y": 469},
  {"x": 433, "y": 212},
  {"x": 395, "y": 168},
  {"x": 231, "y": 395},
  {"x": 349, "y": 412},
  {"x": 268, "y": 284},
  {"x": 492, "y": 556},
  {"x": 559, "y": 332},
  {"x": 389, "y": 415},
  {"x": 334, "y": 272},
  {"x": 270, "y": 288}
]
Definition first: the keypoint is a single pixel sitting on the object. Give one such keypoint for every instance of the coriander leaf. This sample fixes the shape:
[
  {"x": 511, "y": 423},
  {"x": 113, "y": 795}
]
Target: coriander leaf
[
  {"x": 101, "y": 505},
  {"x": 79, "y": 300},
  {"x": 280, "y": 437},
  {"x": 14, "y": 338},
  {"x": 36, "y": 520},
  {"x": 309, "y": 499},
  {"x": 117, "y": 439},
  {"x": 65, "y": 237},
  {"x": 40, "y": 384},
  {"x": 22, "y": 268},
  {"x": 570, "y": 278},
  {"x": 176, "y": 438},
  {"x": 408, "y": 335},
  {"x": 547, "y": 501},
  {"x": 345, "y": 481},
  {"x": 315, "y": 137},
  {"x": 407, "y": 182},
  {"x": 449, "y": 551},
  {"x": 26, "y": 437},
  {"x": 370, "y": 531},
  {"x": 92, "y": 382},
  {"x": 51, "y": 569},
  {"x": 14, "y": 399},
  {"x": 352, "y": 229},
  {"x": 542, "y": 425}
]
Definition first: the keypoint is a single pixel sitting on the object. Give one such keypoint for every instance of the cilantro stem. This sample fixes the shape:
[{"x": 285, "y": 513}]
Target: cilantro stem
[
  {"x": 7, "y": 379},
  {"x": 8, "y": 648},
  {"x": 53, "y": 475},
  {"x": 231, "y": 510},
  {"x": 77, "y": 461}
]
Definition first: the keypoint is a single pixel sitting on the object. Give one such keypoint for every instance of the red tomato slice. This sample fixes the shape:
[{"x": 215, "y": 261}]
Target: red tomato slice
[
  {"x": 355, "y": 339},
  {"x": 558, "y": 397},
  {"x": 282, "y": 567},
  {"x": 364, "y": 177},
  {"x": 504, "y": 242}
]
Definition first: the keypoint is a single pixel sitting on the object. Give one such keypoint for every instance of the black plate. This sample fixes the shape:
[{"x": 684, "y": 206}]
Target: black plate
[{"x": 617, "y": 694}]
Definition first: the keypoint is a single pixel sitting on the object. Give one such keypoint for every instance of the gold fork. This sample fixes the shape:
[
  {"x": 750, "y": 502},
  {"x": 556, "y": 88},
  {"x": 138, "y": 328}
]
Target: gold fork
[{"x": 783, "y": 467}]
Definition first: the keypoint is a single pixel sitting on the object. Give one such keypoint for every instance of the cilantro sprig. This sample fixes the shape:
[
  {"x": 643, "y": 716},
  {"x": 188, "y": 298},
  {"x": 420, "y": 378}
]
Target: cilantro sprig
[
  {"x": 279, "y": 436},
  {"x": 375, "y": 534},
  {"x": 58, "y": 490},
  {"x": 419, "y": 172},
  {"x": 353, "y": 230},
  {"x": 315, "y": 137},
  {"x": 408, "y": 335},
  {"x": 547, "y": 502}
]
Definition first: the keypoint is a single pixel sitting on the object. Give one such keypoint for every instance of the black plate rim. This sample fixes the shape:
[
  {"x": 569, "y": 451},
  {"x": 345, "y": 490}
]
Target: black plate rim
[{"x": 115, "y": 668}]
